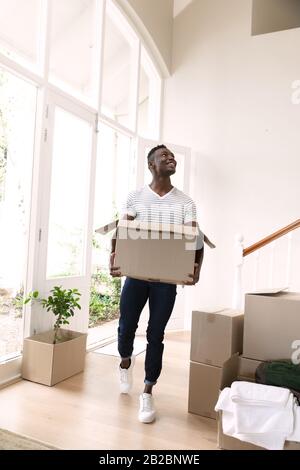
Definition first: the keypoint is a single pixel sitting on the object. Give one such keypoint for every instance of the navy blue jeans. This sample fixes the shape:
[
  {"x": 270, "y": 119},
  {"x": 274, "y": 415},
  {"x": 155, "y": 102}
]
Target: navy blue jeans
[{"x": 134, "y": 296}]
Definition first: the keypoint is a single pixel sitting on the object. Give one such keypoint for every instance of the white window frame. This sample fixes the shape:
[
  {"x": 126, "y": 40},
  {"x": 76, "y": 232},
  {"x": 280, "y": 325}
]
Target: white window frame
[
  {"x": 64, "y": 87},
  {"x": 82, "y": 281},
  {"x": 39, "y": 76},
  {"x": 155, "y": 98},
  {"x": 112, "y": 10}
]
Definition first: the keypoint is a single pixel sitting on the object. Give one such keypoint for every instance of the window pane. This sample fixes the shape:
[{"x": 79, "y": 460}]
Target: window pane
[
  {"x": 149, "y": 99},
  {"x": 19, "y": 29},
  {"x": 143, "y": 110},
  {"x": 115, "y": 177},
  {"x": 17, "y": 125},
  {"x": 69, "y": 195},
  {"x": 73, "y": 47},
  {"x": 119, "y": 69}
]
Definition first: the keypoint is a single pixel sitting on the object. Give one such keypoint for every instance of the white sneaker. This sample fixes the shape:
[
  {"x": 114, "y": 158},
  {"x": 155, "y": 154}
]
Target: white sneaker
[
  {"x": 147, "y": 411},
  {"x": 126, "y": 377}
]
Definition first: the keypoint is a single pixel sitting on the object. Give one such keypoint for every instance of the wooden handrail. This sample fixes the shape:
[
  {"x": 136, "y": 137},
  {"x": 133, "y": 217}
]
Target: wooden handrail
[{"x": 271, "y": 238}]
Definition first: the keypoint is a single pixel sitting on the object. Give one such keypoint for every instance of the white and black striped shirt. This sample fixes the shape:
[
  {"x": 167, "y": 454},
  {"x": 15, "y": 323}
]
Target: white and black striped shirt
[{"x": 175, "y": 207}]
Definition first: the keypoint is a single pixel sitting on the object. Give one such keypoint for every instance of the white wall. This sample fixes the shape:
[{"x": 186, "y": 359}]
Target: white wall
[
  {"x": 179, "y": 6},
  {"x": 229, "y": 98},
  {"x": 157, "y": 18}
]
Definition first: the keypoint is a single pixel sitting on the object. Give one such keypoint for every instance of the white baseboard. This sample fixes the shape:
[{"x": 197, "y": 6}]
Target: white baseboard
[{"x": 10, "y": 371}]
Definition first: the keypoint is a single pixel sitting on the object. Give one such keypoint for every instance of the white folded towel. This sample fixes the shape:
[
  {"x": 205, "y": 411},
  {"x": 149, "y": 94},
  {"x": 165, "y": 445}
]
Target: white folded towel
[
  {"x": 295, "y": 436},
  {"x": 250, "y": 419},
  {"x": 254, "y": 394},
  {"x": 264, "y": 426}
]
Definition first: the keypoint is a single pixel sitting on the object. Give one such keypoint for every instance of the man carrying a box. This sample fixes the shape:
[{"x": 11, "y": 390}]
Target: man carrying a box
[{"x": 162, "y": 203}]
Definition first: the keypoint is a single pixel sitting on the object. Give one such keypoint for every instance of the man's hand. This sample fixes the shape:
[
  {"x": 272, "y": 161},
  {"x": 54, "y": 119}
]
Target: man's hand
[
  {"x": 114, "y": 270},
  {"x": 195, "y": 276}
]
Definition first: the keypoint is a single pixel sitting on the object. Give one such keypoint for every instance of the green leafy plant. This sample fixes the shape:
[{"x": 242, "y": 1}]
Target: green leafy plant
[
  {"x": 105, "y": 298},
  {"x": 61, "y": 303},
  {"x": 17, "y": 302}
]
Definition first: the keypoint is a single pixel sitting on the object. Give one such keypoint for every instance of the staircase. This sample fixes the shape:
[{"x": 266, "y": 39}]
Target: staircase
[{"x": 256, "y": 249}]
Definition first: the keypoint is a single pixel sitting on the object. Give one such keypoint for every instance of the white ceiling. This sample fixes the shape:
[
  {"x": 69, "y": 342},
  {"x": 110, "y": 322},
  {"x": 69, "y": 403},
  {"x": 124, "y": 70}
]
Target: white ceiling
[{"x": 180, "y": 5}]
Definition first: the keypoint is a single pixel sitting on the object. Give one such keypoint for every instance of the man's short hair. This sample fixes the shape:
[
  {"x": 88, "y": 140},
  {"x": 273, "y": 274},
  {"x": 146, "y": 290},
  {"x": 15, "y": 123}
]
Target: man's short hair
[{"x": 150, "y": 155}]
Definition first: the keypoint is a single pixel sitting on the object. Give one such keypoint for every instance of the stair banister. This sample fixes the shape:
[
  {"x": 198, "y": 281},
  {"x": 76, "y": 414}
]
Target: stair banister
[{"x": 240, "y": 253}]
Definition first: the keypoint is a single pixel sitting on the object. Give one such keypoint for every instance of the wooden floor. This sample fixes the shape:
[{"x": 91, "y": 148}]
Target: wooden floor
[{"x": 87, "y": 411}]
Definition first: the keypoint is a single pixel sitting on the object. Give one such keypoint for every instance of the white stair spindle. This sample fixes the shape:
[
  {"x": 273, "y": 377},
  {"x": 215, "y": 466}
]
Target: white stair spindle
[
  {"x": 256, "y": 268},
  {"x": 237, "y": 301},
  {"x": 289, "y": 259},
  {"x": 272, "y": 256}
]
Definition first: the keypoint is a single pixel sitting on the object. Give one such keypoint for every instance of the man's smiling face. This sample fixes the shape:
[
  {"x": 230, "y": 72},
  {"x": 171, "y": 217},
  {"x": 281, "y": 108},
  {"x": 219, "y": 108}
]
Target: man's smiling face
[{"x": 164, "y": 163}]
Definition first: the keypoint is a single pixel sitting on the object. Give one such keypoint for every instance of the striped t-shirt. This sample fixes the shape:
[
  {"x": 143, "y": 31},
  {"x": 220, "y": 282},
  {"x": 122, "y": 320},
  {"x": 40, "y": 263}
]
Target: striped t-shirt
[{"x": 175, "y": 207}]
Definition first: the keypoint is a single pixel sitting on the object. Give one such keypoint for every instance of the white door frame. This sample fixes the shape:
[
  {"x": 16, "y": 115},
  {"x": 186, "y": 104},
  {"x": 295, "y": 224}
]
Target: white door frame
[
  {"x": 40, "y": 320},
  {"x": 10, "y": 370}
]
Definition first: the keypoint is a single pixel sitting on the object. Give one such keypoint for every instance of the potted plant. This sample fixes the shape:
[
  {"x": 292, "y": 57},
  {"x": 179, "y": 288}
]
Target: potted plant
[{"x": 53, "y": 356}]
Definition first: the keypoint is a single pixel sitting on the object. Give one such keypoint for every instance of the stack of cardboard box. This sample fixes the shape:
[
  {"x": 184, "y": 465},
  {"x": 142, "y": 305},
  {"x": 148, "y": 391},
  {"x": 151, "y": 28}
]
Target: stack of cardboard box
[
  {"x": 271, "y": 332},
  {"x": 230, "y": 373},
  {"x": 216, "y": 336}
]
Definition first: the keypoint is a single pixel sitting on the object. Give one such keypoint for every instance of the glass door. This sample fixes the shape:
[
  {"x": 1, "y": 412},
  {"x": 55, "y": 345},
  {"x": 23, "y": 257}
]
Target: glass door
[
  {"x": 115, "y": 177},
  {"x": 180, "y": 180},
  {"x": 66, "y": 215},
  {"x": 18, "y": 100}
]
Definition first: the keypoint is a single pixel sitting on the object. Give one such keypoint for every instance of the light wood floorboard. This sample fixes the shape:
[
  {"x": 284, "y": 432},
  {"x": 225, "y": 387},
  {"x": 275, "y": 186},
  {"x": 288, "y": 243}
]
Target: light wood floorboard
[{"x": 87, "y": 411}]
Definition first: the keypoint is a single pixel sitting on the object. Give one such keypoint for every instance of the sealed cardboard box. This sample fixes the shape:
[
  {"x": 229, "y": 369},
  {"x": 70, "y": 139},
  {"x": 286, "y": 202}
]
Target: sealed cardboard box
[
  {"x": 47, "y": 363},
  {"x": 216, "y": 335},
  {"x": 205, "y": 384},
  {"x": 271, "y": 325},
  {"x": 154, "y": 252}
]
